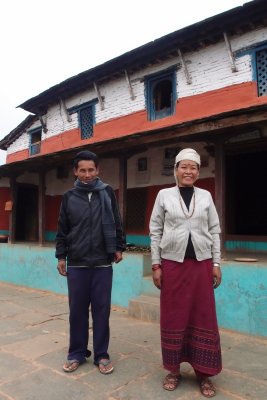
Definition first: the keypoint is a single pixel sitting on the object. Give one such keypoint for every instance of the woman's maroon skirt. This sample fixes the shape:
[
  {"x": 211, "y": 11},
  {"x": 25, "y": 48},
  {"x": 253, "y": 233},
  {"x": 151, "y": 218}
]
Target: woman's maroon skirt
[{"x": 188, "y": 322}]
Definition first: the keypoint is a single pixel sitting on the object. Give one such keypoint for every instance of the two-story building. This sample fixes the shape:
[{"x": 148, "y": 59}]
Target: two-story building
[{"x": 204, "y": 86}]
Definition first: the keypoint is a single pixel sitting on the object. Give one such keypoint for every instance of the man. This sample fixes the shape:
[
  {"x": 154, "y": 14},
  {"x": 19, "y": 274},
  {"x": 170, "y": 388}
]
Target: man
[{"x": 89, "y": 239}]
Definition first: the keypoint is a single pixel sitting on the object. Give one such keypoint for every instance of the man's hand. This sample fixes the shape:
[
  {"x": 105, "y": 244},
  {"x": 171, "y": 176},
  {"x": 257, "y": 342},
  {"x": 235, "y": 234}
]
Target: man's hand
[
  {"x": 117, "y": 257},
  {"x": 61, "y": 267}
]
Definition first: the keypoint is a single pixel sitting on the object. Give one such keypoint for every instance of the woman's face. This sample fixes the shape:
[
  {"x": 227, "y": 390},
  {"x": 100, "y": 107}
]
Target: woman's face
[{"x": 187, "y": 173}]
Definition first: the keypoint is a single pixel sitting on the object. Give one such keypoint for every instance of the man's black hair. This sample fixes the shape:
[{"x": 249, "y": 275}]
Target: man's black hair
[{"x": 85, "y": 155}]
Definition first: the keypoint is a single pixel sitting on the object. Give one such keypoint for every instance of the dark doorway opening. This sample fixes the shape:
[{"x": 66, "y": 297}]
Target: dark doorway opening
[
  {"x": 246, "y": 194},
  {"x": 27, "y": 214},
  {"x": 136, "y": 210}
]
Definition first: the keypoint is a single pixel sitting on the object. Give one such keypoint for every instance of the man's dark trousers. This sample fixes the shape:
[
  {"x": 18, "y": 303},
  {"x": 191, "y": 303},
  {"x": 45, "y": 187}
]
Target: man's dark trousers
[{"x": 89, "y": 286}]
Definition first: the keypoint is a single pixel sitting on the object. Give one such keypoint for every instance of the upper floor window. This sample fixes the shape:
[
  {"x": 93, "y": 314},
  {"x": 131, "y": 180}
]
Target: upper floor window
[
  {"x": 258, "y": 54},
  {"x": 261, "y": 67},
  {"x": 161, "y": 95},
  {"x": 35, "y": 141},
  {"x": 86, "y": 118}
]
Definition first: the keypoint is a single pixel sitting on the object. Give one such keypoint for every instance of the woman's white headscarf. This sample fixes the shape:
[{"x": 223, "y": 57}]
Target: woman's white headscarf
[{"x": 188, "y": 154}]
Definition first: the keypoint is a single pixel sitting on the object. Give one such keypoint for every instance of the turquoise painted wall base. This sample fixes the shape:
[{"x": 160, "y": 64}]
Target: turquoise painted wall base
[{"x": 241, "y": 299}]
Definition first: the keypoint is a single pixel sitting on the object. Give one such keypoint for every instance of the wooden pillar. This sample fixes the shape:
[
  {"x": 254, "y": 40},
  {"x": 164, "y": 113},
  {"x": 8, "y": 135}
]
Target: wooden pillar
[
  {"x": 41, "y": 208},
  {"x": 220, "y": 188},
  {"x": 12, "y": 215},
  {"x": 123, "y": 188}
]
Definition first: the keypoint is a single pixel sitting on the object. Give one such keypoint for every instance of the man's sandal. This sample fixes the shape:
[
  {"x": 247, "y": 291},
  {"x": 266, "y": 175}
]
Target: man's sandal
[
  {"x": 207, "y": 389},
  {"x": 105, "y": 366},
  {"x": 171, "y": 381},
  {"x": 71, "y": 365}
]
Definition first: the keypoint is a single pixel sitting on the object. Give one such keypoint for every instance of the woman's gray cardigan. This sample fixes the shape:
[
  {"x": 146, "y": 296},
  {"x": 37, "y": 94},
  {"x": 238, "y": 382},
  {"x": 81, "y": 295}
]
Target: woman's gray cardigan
[{"x": 170, "y": 229}]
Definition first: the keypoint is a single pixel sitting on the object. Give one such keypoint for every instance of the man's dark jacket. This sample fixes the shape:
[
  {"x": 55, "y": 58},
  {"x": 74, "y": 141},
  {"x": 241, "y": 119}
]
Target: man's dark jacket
[{"x": 80, "y": 236}]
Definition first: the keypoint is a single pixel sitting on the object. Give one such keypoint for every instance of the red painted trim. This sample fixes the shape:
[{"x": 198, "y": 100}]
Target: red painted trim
[
  {"x": 18, "y": 156},
  {"x": 187, "y": 109}
]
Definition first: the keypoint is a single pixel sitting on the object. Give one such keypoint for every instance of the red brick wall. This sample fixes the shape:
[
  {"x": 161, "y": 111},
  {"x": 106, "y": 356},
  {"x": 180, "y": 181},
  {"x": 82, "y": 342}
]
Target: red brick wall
[
  {"x": 4, "y": 215},
  {"x": 52, "y": 206}
]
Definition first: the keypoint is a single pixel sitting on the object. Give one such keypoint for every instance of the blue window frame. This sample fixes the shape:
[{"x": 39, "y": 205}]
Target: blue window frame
[
  {"x": 261, "y": 67},
  {"x": 161, "y": 94},
  {"x": 35, "y": 141},
  {"x": 258, "y": 55},
  {"x": 86, "y": 118}
]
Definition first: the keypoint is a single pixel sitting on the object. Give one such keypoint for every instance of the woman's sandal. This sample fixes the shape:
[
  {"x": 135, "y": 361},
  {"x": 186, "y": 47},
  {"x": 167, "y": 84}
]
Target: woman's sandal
[
  {"x": 105, "y": 366},
  {"x": 71, "y": 365},
  {"x": 207, "y": 389},
  {"x": 171, "y": 381}
]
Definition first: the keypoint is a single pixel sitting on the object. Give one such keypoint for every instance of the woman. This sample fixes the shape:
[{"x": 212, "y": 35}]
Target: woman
[{"x": 185, "y": 249}]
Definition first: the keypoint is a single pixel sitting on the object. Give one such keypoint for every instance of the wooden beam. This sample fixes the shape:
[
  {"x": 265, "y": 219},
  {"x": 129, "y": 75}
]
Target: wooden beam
[
  {"x": 64, "y": 108},
  {"x": 41, "y": 208},
  {"x": 198, "y": 127},
  {"x": 99, "y": 96},
  {"x": 129, "y": 85},
  {"x": 220, "y": 188},
  {"x": 43, "y": 123},
  {"x": 230, "y": 52},
  {"x": 187, "y": 75},
  {"x": 123, "y": 188}
]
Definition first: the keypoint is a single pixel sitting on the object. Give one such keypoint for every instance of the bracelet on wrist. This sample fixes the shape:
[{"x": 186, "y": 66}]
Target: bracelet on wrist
[
  {"x": 216, "y": 264},
  {"x": 155, "y": 267}
]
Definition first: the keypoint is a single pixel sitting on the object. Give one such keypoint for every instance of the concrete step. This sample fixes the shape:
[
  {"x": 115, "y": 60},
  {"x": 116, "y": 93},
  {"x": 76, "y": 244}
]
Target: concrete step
[
  {"x": 148, "y": 288},
  {"x": 145, "y": 308}
]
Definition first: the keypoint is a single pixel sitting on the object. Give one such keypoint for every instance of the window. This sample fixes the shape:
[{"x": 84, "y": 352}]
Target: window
[
  {"x": 142, "y": 164},
  {"x": 86, "y": 118},
  {"x": 161, "y": 95},
  {"x": 35, "y": 141},
  {"x": 258, "y": 54},
  {"x": 261, "y": 66}
]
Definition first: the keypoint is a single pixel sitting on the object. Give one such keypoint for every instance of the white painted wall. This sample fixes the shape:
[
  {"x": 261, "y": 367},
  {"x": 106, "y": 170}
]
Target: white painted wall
[{"x": 210, "y": 69}]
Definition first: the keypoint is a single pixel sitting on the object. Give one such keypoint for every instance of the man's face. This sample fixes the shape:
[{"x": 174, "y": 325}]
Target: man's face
[{"x": 86, "y": 171}]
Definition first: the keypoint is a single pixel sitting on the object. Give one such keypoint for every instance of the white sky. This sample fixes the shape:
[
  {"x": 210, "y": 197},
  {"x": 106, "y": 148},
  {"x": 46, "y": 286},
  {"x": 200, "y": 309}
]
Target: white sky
[{"x": 46, "y": 42}]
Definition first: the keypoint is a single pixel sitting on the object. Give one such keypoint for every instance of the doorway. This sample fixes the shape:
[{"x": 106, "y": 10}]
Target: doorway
[
  {"x": 246, "y": 194},
  {"x": 27, "y": 214}
]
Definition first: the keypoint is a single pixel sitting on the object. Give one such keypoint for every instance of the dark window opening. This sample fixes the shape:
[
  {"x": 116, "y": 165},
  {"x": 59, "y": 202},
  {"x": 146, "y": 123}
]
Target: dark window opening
[
  {"x": 161, "y": 95},
  {"x": 35, "y": 142},
  {"x": 246, "y": 194},
  {"x": 136, "y": 210},
  {"x": 27, "y": 214},
  {"x": 142, "y": 164}
]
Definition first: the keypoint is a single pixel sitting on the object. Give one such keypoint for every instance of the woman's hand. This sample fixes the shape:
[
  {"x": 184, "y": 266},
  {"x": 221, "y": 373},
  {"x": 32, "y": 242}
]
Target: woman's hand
[
  {"x": 217, "y": 276},
  {"x": 157, "y": 274}
]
